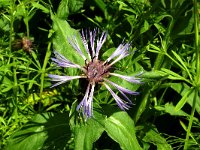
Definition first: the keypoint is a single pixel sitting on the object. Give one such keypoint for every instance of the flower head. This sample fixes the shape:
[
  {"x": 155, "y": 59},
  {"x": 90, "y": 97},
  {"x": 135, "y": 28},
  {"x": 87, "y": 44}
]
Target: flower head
[{"x": 95, "y": 70}]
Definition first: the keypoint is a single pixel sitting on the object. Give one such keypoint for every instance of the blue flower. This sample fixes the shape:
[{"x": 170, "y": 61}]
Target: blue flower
[{"x": 95, "y": 70}]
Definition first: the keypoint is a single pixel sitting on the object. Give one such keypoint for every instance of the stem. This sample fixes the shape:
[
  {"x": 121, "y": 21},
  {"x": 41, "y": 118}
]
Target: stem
[
  {"x": 160, "y": 57},
  {"x": 43, "y": 71},
  {"x": 180, "y": 66},
  {"x": 196, "y": 23},
  {"x": 191, "y": 120},
  {"x": 27, "y": 26},
  {"x": 15, "y": 89},
  {"x": 11, "y": 23},
  {"x": 142, "y": 105}
]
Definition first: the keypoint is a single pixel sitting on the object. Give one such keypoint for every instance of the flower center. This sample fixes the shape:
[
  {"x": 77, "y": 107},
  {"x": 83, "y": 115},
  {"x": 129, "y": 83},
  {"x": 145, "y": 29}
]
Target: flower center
[{"x": 96, "y": 70}]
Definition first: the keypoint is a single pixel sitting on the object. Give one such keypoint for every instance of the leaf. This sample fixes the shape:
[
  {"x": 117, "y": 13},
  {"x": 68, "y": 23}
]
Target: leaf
[
  {"x": 62, "y": 32},
  {"x": 154, "y": 75},
  {"x": 86, "y": 134},
  {"x": 41, "y": 7},
  {"x": 101, "y": 4},
  {"x": 75, "y": 5},
  {"x": 68, "y": 7},
  {"x": 182, "y": 89},
  {"x": 160, "y": 27},
  {"x": 180, "y": 60},
  {"x": 145, "y": 27},
  {"x": 20, "y": 10},
  {"x": 170, "y": 108},
  {"x": 154, "y": 137},
  {"x": 183, "y": 100},
  {"x": 46, "y": 130},
  {"x": 120, "y": 127},
  {"x": 173, "y": 75},
  {"x": 63, "y": 9},
  {"x": 6, "y": 85}
]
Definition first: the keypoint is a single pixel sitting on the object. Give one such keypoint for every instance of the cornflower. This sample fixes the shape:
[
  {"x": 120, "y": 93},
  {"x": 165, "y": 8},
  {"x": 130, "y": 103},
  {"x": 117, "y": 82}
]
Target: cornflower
[{"x": 95, "y": 70}]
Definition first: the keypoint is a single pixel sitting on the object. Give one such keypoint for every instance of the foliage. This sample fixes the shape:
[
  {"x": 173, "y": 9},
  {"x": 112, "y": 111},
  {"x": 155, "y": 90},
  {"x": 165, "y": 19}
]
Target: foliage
[{"x": 165, "y": 48}]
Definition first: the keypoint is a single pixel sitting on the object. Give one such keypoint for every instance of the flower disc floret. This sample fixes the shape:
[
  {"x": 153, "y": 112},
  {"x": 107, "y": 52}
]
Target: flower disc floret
[{"x": 96, "y": 71}]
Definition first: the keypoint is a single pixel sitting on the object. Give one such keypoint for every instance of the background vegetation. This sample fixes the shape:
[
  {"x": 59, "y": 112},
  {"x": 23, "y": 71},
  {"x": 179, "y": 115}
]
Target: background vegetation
[{"x": 165, "y": 38}]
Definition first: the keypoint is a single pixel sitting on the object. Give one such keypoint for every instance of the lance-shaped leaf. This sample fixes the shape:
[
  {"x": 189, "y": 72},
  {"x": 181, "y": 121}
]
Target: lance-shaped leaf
[{"x": 120, "y": 127}]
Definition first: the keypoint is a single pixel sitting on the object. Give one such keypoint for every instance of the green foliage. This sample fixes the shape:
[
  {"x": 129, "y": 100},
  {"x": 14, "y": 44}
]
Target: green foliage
[
  {"x": 87, "y": 133},
  {"x": 40, "y": 133},
  {"x": 120, "y": 127},
  {"x": 165, "y": 53}
]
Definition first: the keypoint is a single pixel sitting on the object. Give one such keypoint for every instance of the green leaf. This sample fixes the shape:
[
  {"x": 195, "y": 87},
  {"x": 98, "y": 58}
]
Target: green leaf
[
  {"x": 86, "y": 134},
  {"x": 170, "y": 108},
  {"x": 180, "y": 60},
  {"x": 68, "y": 7},
  {"x": 41, "y": 7},
  {"x": 63, "y": 9},
  {"x": 6, "y": 85},
  {"x": 182, "y": 89},
  {"x": 173, "y": 75},
  {"x": 154, "y": 75},
  {"x": 160, "y": 27},
  {"x": 46, "y": 130},
  {"x": 183, "y": 100},
  {"x": 120, "y": 127},
  {"x": 101, "y": 5},
  {"x": 62, "y": 32},
  {"x": 75, "y": 5},
  {"x": 145, "y": 27},
  {"x": 153, "y": 48},
  {"x": 21, "y": 10},
  {"x": 154, "y": 137}
]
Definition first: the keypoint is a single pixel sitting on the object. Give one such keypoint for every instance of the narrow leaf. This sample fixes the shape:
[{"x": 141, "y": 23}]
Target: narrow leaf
[
  {"x": 183, "y": 100},
  {"x": 180, "y": 60}
]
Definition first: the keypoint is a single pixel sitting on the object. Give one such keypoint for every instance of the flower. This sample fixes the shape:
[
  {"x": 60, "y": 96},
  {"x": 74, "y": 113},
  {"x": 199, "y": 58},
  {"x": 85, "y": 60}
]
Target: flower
[{"x": 95, "y": 70}]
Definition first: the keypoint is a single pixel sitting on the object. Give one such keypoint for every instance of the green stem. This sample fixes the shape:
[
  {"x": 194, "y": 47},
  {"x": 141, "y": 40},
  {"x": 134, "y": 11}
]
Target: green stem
[
  {"x": 141, "y": 106},
  {"x": 43, "y": 71},
  {"x": 160, "y": 57},
  {"x": 190, "y": 76},
  {"x": 15, "y": 89},
  {"x": 11, "y": 23},
  {"x": 27, "y": 26},
  {"x": 196, "y": 23},
  {"x": 191, "y": 120}
]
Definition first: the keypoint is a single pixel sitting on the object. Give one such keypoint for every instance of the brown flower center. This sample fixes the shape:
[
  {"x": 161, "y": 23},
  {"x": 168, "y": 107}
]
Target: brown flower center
[{"x": 96, "y": 70}]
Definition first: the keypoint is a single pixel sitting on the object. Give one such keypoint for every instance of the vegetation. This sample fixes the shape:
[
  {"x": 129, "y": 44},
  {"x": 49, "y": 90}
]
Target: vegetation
[{"x": 164, "y": 53}]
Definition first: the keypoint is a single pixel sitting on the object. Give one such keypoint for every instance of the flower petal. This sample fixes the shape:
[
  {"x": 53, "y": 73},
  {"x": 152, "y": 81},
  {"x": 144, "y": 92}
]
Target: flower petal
[
  {"x": 84, "y": 100},
  {"x": 86, "y": 103},
  {"x": 61, "y": 61},
  {"x": 100, "y": 42},
  {"x": 122, "y": 49},
  {"x": 85, "y": 43},
  {"x": 122, "y": 105},
  {"x": 121, "y": 56},
  {"x": 63, "y": 79},
  {"x": 73, "y": 41},
  {"x": 122, "y": 88},
  {"x": 92, "y": 39},
  {"x": 131, "y": 79}
]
